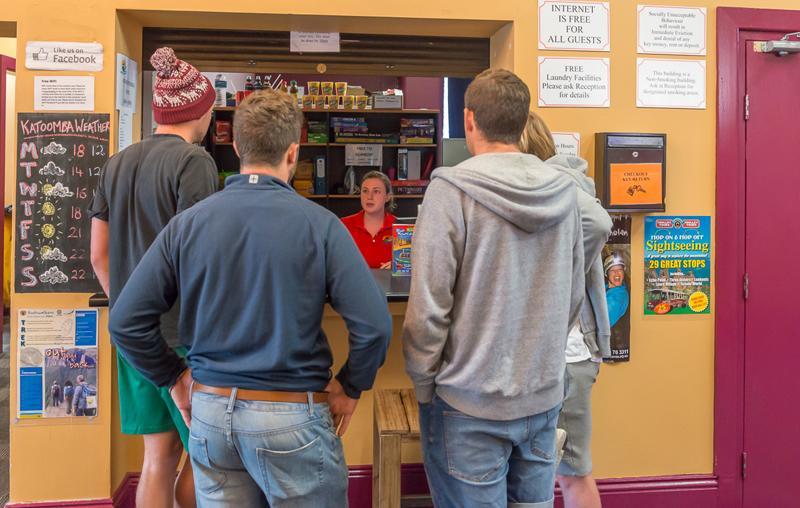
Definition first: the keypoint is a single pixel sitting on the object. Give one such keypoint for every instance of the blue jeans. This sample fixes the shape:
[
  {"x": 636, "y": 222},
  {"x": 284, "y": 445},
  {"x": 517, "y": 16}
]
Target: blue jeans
[
  {"x": 248, "y": 453},
  {"x": 488, "y": 463}
]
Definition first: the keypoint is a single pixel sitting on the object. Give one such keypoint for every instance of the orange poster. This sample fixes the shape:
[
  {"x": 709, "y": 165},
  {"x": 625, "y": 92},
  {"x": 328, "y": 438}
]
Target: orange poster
[{"x": 635, "y": 184}]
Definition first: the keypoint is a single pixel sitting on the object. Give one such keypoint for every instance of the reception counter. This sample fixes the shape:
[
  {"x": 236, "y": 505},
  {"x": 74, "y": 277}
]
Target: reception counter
[{"x": 358, "y": 439}]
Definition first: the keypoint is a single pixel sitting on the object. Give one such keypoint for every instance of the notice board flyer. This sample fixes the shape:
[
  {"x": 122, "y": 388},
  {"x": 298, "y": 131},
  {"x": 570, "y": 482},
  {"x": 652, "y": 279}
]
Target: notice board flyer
[
  {"x": 677, "y": 256},
  {"x": 57, "y": 363},
  {"x": 617, "y": 271}
]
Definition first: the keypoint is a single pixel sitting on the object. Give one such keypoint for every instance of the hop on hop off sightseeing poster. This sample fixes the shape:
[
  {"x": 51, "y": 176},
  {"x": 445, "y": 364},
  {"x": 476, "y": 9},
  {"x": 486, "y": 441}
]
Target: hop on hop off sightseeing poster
[{"x": 677, "y": 257}]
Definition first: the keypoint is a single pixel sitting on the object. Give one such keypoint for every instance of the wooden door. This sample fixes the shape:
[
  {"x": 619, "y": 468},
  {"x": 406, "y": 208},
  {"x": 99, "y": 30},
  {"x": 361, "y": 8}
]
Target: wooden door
[{"x": 772, "y": 265}]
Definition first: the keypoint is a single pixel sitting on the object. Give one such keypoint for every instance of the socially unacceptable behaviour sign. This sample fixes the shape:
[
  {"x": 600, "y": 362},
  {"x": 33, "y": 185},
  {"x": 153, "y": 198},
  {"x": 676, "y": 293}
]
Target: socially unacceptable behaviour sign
[{"x": 63, "y": 56}]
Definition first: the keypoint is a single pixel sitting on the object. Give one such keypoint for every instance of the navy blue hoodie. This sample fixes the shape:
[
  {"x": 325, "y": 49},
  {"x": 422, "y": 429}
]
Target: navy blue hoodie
[{"x": 253, "y": 265}]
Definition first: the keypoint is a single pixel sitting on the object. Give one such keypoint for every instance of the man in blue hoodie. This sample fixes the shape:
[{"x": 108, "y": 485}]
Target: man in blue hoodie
[
  {"x": 498, "y": 275},
  {"x": 253, "y": 265}
]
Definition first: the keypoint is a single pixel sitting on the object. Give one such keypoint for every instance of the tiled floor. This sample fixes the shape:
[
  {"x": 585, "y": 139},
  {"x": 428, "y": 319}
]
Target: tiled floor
[{"x": 4, "y": 389}]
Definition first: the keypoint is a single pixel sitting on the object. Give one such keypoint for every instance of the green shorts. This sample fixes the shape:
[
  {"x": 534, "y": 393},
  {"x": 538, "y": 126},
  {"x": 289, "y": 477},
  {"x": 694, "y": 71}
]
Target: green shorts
[{"x": 145, "y": 408}]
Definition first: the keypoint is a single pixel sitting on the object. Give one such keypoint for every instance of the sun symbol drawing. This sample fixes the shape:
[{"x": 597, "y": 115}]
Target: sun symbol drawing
[
  {"x": 48, "y": 228},
  {"x": 48, "y": 209}
]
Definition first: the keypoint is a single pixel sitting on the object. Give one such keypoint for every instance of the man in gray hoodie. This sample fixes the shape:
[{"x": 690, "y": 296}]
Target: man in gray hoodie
[{"x": 498, "y": 280}]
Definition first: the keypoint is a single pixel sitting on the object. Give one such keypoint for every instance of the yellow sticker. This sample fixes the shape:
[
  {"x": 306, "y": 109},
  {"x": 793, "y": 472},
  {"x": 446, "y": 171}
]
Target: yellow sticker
[{"x": 698, "y": 301}]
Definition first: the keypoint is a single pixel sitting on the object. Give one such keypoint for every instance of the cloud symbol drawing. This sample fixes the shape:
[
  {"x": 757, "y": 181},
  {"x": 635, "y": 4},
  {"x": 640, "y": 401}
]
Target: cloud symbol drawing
[
  {"x": 54, "y": 276},
  {"x": 50, "y": 169},
  {"x": 54, "y": 255},
  {"x": 54, "y": 149},
  {"x": 59, "y": 191}
]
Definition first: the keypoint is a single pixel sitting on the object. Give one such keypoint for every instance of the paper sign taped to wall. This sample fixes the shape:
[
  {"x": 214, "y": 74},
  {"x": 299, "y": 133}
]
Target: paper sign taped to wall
[
  {"x": 314, "y": 42},
  {"x": 63, "y": 93}
]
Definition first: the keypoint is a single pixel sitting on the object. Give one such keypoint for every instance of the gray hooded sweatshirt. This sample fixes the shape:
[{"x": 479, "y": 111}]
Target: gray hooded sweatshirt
[
  {"x": 498, "y": 278},
  {"x": 596, "y": 225}
]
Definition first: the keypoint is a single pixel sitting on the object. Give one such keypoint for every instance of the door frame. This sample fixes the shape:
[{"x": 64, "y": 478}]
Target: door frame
[
  {"x": 730, "y": 239},
  {"x": 7, "y": 64}
]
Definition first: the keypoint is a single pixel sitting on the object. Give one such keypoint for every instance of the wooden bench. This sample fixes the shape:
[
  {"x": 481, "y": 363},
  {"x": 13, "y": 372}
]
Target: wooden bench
[{"x": 396, "y": 421}]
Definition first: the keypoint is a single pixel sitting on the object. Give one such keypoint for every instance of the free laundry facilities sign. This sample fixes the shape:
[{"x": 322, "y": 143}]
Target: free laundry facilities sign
[{"x": 63, "y": 56}]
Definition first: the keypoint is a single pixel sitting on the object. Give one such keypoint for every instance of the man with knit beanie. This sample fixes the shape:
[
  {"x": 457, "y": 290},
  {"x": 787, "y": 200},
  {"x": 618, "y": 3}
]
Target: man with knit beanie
[{"x": 140, "y": 189}]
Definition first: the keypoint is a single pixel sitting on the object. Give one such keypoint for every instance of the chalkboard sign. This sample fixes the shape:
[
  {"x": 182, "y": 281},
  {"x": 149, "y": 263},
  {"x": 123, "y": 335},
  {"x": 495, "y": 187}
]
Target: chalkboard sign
[{"x": 60, "y": 158}]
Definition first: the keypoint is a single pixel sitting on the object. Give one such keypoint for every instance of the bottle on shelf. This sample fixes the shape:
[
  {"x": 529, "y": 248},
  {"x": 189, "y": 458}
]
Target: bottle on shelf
[
  {"x": 258, "y": 85},
  {"x": 293, "y": 91},
  {"x": 221, "y": 90},
  {"x": 248, "y": 84},
  {"x": 284, "y": 86}
]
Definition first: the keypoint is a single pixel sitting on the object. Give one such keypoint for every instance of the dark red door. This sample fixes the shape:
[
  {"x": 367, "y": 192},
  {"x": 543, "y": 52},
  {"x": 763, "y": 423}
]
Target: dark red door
[{"x": 772, "y": 260}]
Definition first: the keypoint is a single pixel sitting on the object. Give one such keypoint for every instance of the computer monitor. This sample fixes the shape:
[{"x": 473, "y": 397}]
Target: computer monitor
[{"x": 454, "y": 151}]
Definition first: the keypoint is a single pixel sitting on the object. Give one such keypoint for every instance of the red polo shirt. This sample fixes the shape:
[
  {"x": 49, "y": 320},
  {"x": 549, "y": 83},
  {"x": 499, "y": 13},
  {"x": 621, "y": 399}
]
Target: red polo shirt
[{"x": 375, "y": 249}]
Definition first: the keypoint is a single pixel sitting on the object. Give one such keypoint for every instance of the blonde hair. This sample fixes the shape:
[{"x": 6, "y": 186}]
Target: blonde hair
[
  {"x": 390, "y": 205},
  {"x": 536, "y": 138}
]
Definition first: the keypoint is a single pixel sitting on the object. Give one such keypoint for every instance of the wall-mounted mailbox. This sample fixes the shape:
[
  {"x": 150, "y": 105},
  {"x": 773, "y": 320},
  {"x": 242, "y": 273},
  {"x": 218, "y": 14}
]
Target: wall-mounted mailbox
[{"x": 631, "y": 171}]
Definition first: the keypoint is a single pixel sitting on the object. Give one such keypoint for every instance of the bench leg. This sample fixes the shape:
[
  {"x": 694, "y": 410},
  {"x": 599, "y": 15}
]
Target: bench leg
[{"x": 385, "y": 471}]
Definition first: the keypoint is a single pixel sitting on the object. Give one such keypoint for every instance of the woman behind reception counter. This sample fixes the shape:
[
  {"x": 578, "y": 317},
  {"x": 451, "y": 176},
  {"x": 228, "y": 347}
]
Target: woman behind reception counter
[{"x": 371, "y": 228}]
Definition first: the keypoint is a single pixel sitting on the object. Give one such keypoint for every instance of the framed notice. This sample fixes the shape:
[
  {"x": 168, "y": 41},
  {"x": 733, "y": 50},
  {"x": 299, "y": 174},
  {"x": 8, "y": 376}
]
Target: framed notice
[
  {"x": 665, "y": 83},
  {"x": 60, "y": 158},
  {"x": 574, "y": 25},
  {"x": 567, "y": 143},
  {"x": 574, "y": 82},
  {"x": 671, "y": 30}
]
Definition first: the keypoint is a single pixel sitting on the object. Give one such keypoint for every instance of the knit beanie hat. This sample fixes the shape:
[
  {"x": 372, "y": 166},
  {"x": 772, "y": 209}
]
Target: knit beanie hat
[{"x": 181, "y": 93}]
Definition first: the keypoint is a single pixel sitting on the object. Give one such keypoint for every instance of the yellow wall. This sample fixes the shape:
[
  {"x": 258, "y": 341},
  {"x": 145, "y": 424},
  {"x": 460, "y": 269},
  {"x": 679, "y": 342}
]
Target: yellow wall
[{"x": 653, "y": 416}]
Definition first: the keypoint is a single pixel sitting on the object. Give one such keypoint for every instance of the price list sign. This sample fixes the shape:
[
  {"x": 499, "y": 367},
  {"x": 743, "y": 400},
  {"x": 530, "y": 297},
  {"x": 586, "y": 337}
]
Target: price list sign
[{"x": 60, "y": 156}]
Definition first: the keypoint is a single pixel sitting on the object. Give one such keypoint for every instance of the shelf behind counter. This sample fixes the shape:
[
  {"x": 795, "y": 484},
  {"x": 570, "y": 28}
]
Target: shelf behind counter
[{"x": 395, "y": 288}]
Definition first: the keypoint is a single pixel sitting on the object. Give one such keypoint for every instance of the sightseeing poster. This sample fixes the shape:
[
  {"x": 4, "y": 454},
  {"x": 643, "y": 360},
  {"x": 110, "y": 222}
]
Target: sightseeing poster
[{"x": 677, "y": 257}]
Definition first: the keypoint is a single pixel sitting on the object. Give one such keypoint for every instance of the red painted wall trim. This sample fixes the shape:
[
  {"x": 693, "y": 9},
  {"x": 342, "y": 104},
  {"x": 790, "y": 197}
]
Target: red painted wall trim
[
  {"x": 125, "y": 495},
  {"x": 686, "y": 491},
  {"x": 94, "y": 503},
  {"x": 730, "y": 239}
]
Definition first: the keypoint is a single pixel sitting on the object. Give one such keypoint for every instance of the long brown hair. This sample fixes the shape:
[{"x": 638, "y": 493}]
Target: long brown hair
[{"x": 536, "y": 138}]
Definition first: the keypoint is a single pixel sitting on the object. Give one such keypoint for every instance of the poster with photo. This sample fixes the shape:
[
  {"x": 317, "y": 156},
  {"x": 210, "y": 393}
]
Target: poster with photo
[
  {"x": 677, "y": 257},
  {"x": 617, "y": 270},
  {"x": 57, "y": 363}
]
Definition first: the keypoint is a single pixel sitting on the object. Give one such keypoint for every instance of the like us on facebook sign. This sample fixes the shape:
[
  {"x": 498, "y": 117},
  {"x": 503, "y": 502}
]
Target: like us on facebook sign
[{"x": 62, "y": 56}]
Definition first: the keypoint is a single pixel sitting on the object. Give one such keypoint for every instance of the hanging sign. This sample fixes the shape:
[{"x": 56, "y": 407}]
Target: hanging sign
[
  {"x": 314, "y": 42},
  {"x": 570, "y": 25},
  {"x": 677, "y": 257},
  {"x": 663, "y": 83},
  {"x": 363, "y": 155},
  {"x": 567, "y": 143},
  {"x": 60, "y": 156},
  {"x": 574, "y": 82},
  {"x": 617, "y": 271},
  {"x": 671, "y": 30},
  {"x": 63, "y": 93},
  {"x": 57, "y": 363},
  {"x": 64, "y": 56}
]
